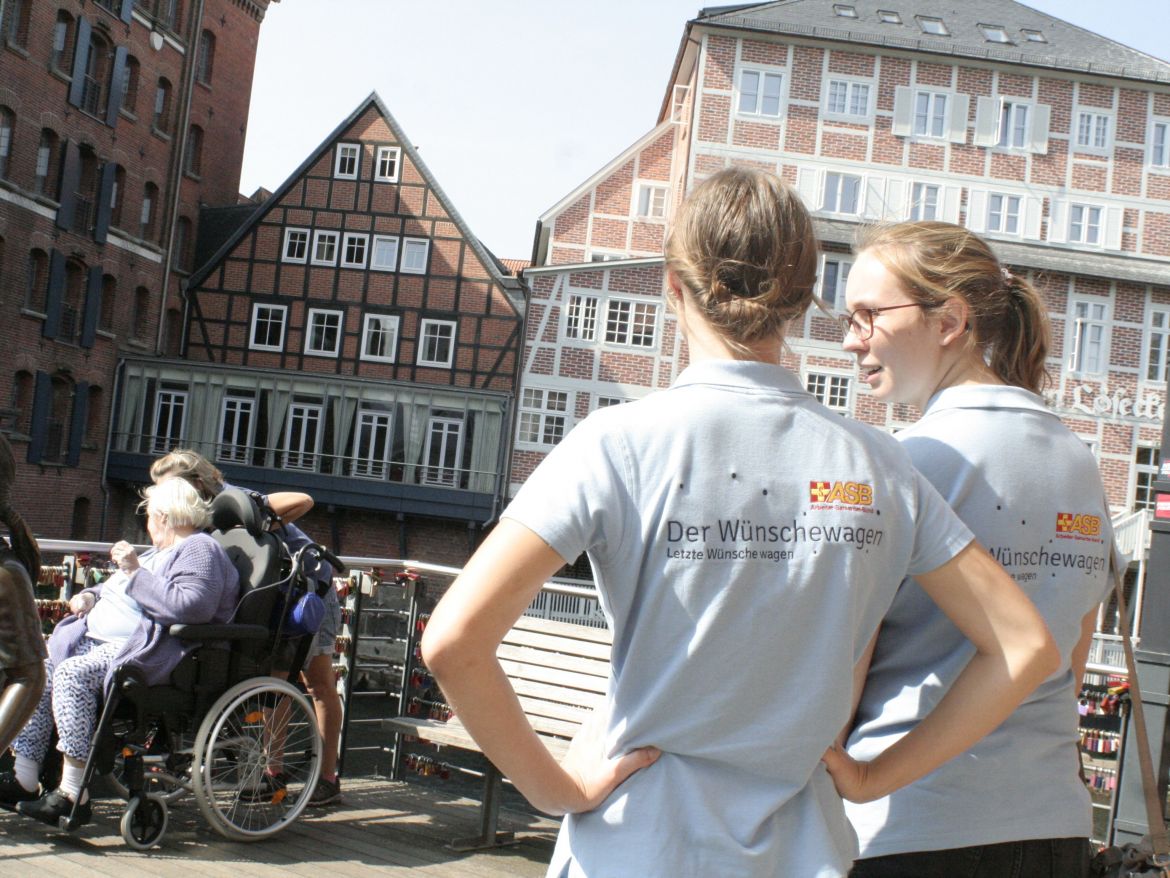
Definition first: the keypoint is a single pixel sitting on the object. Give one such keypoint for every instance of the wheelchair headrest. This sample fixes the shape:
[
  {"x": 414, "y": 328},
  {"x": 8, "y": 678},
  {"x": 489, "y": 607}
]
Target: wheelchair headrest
[{"x": 233, "y": 507}]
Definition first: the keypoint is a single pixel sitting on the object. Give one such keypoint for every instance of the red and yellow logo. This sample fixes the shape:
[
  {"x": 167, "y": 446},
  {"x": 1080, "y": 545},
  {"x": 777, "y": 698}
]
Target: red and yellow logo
[
  {"x": 848, "y": 493},
  {"x": 1078, "y": 523}
]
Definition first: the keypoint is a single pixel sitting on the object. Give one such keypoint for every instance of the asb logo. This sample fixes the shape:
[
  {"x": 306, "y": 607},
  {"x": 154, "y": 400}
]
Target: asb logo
[
  {"x": 848, "y": 493},
  {"x": 1078, "y": 523}
]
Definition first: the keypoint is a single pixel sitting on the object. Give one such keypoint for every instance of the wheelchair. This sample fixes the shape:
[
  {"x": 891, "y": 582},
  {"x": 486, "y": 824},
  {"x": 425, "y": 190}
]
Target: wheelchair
[{"x": 225, "y": 720}]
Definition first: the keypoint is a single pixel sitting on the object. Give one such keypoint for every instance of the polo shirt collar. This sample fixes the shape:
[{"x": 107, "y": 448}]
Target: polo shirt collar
[
  {"x": 740, "y": 373},
  {"x": 986, "y": 396}
]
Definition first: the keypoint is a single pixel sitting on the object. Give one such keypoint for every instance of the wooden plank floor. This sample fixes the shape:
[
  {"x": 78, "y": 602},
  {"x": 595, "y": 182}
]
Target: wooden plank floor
[{"x": 381, "y": 827}]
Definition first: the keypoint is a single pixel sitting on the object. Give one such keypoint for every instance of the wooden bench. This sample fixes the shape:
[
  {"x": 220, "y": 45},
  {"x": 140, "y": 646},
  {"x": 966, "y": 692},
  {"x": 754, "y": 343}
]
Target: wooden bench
[{"x": 560, "y": 672}]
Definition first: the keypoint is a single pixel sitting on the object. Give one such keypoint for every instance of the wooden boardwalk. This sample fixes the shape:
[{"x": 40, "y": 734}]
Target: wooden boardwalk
[{"x": 381, "y": 827}]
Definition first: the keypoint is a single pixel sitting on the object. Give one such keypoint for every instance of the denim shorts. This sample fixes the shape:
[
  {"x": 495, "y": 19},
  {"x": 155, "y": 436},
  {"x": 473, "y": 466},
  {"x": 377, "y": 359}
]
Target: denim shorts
[
  {"x": 1034, "y": 858},
  {"x": 330, "y": 625}
]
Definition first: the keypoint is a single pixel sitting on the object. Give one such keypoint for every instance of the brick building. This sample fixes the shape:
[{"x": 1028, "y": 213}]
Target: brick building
[
  {"x": 118, "y": 119},
  {"x": 1048, "y": 139},
  {"x": 348, "y": 337}
]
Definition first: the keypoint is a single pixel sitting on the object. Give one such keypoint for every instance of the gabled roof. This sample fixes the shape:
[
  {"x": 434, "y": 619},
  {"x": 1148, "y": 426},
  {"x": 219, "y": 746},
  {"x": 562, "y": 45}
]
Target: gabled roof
[
  {"x": 1064, "y": 47},
  {"x": 511, "y": 287}
]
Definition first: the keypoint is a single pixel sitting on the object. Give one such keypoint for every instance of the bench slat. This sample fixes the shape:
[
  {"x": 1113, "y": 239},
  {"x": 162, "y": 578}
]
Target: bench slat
[
  {"x": 556, "y": 643},
  {"x": 452, "y": 734},
  {"x": 571, "y": 679},
  {"x": 564, "y": 629},
  {"x": 572, "y": 698},
  {"x": 554, "y": 660}
]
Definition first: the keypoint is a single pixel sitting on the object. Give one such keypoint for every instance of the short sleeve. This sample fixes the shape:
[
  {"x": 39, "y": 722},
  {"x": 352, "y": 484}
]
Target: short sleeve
[
  {"x": 577, "y": 499},
  {"x": 939, "y": 535}
]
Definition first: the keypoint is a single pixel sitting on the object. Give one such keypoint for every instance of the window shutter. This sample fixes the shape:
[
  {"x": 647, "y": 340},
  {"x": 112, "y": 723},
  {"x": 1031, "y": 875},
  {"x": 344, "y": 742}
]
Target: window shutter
[
  {"x": 873, "y": 204},
  {"x": 1041, "y": 117},
  {"x": 78, "y": 423},
  {"x": 101, "y": 225},
  {"x": 1033, "y": 210},
  {"x": 1057, "y": 222},
  {"x": 957, "y": 118},
  {"x": 127, "y": 13},
  {"x": 806, "y": 185},
  {"x": 986, "y": 121},
  {"x": 1114, "y": 220},
  {"x": 950, "y": 203},
  {"x": 977, "y": 210},
  {"x": 93, "y": 306},
  {"x": 42, "y": 404},
  {"x": 70, "y": 178},
  {"x": 80, "y": 61},
  {"x": 897, "y": 197},
  {"x": 117, "y": 86},
  {"x": 903, "y": 111},
  {"x": 56, "y": 293}
]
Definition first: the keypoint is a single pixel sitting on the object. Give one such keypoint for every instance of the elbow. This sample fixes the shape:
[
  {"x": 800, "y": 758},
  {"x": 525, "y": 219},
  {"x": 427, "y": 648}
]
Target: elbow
[
  {"x": 442, "y": 650},
  {"x": 1043, "y": 655}
]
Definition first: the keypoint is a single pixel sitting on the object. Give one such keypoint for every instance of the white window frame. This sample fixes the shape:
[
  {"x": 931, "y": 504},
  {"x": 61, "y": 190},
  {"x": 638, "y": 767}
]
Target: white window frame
[
  {"x": 380, "y": 324},
  {"x": 841, "y": 266},
  {"x": 236, "y": 448},
  {"x": 1160, "y": 144},
  {"x": 637, "y": 329},
  {"x": 1005, "y": 213},
  {"x": 383, "y": 154},
  {"x": 836, "y": 182},
  {"x": 304, "y": 236},
  {"x": 828, "y": 388},
  {"x": 166, "y": 438},
  {"x": 317, "y": 322},
  {"x": 426, "y": 337},
  {"x": 1080, "y": 334},
  {"x": 271, "y": 310},
  {"x": 932, "y": 25},
  {"x": 344, "y": 155},
  {"x": 346, "y": 238},
  {"x": 1098, "y": 142},
  {"x": 1150, "y": 470},
  {"x": 543, "y": 419},
  {"x": 375, "y": 463},
  {"x": 763, "y": 74},
  {"x": 595, "y": 255},
  {"x": 1156, "y": 345},
  {"x": 603, "y": 402},
  {"x": 303, "y": 457},
  {"x": 850, "y": 86},
  {"x": 653, "y": 199},
  {"x": 411, "y": 246},
  {"x": 582, "y": 311},
  {"x": 925, "y": 201},
  {"x": 1089, "y": 221},
  {"x": 327, "y": 238},
  {"x": 375, "y": 265},
  {"x": 1010, "y": 109},
  {"x": 442, "y": 473},
  {"x": 935, "y": 115}
]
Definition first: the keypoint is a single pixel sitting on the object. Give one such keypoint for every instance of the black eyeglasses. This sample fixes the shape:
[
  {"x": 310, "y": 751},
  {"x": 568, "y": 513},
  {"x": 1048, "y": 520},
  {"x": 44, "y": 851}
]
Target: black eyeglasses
[{"x": 860, "y": 322}]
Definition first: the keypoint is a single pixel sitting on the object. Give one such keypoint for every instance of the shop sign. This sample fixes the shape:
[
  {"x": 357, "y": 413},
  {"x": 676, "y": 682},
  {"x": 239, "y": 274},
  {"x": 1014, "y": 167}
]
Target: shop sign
[
  {"x": 1099, "y": 402},
  {"x": 1162, "y": 507}
]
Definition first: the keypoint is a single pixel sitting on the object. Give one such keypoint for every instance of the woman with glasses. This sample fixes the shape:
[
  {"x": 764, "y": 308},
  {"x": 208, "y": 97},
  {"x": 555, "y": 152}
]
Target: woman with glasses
[
  {"x": 939, "y": 323},
  {"x": 745, "y": 542}
]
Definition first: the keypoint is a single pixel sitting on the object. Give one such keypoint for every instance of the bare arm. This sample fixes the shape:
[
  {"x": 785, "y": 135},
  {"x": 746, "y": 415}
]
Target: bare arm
[
  {"x": 1080, "y": 652},
  {"x": 289, "y": 505},
  {"x": 1014, "y": 653},
  {"x": 860, "y": 672},
  {"x": 459, "y": 647}
]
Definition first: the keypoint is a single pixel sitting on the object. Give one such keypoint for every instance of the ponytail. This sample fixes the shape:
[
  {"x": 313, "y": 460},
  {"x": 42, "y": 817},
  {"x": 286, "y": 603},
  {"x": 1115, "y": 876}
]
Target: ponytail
[{"x": 1019, "y": 346}]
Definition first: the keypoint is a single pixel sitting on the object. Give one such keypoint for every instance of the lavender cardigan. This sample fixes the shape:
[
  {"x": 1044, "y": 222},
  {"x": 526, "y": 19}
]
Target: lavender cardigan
[{"x": 196, "y": 584}]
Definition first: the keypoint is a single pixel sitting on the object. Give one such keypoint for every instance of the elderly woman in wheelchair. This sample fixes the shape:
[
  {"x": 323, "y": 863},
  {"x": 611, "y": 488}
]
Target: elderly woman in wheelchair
[{"x": 187, "y": 578}]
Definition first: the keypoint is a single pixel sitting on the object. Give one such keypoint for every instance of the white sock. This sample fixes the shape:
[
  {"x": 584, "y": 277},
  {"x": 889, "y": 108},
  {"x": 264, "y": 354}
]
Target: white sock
[
  {"x": 71, "y": 781},
  {"x": 27, "y": 772}
]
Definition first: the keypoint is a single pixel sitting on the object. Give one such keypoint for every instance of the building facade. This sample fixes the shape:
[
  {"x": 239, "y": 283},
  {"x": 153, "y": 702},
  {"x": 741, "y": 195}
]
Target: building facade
[
  {"x": 982, "y": 114},
  {"x": 349, "y": 337},
  {"x": 118, "y": 118}
]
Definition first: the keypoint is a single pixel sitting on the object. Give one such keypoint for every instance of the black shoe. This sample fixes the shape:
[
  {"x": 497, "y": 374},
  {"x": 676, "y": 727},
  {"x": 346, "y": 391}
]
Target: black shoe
[
  {"x": 325, "y": 793},
  {"x": 52, "y": 807},
  {"x": 12, "y": 792}
]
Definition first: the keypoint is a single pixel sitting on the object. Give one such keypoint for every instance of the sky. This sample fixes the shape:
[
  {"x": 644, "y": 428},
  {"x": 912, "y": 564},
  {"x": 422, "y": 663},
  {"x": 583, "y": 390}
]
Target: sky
[{"x": 512, "y": 103}]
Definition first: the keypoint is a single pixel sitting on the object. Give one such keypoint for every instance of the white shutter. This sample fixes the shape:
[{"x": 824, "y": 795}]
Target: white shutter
[
  {"x": 950, "y": 203},
  {"x": 986, "y": 121},
  {"x": 1041, "y": 116},
  {"x": 808, "y": 185},
  {"x": 1057, "y": 221},
  {"x": 1114, "y": 220},
  {"x": 903, "y": 111},
  {"x": 957, "y": 118},
  {"x": 1033, "y": 209},
  {"x": 873, "y": 205},
  {"x": 897, "y": 197},
  {"x": 977, "y": 210}
]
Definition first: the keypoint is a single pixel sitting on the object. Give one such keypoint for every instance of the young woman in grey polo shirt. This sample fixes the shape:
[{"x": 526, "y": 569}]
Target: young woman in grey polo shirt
[
  {"x": 745, "y": 542},
  {"x": 938, "y": 322}
]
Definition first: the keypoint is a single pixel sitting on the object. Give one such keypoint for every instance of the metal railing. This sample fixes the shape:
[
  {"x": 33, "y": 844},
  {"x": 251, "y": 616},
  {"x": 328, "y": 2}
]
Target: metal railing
[{"x": 1132, "y": 532}]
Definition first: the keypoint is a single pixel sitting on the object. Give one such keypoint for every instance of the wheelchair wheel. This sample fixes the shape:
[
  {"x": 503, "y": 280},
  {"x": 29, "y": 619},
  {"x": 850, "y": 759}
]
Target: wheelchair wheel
[
  {"x": 144, "y": 821},
  {"x": 170, "y": 782},
  {"x": 257, "y": 759}
]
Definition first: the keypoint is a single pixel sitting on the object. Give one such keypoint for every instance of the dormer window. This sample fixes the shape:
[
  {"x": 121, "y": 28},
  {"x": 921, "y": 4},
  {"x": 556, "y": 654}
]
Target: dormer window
[
  {"x": 887, "y": 16},
  {"x": 844, "y": 11},
  {"x": 932, "y": 26},
  {"x": 1034, "y": 36},
  {"x": 995, "y": 33}
]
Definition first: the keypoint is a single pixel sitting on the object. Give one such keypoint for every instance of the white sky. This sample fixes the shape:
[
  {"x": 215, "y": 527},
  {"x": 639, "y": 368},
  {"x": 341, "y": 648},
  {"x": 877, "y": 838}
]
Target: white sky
[{"x": 513, "y": 103}]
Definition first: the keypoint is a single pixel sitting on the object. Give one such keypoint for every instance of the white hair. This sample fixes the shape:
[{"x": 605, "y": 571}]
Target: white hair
[{"x": 178, "y": 502}]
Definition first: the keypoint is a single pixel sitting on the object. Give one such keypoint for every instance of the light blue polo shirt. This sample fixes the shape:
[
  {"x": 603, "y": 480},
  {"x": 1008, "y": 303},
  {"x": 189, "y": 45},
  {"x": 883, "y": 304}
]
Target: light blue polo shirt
[
  {"x": 746, "y": 541},
  {"x": 1031, "y": 492}
]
